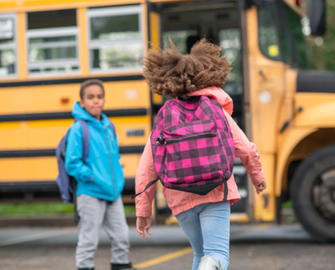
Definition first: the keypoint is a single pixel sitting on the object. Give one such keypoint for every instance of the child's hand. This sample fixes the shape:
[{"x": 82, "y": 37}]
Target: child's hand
[
  {"x": 260, "y": 187},
  {"x": 143, "y": 223}
]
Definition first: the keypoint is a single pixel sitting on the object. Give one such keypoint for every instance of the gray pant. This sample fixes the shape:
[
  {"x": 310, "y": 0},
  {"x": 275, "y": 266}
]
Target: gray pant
[{"x": 95, "y": 213}]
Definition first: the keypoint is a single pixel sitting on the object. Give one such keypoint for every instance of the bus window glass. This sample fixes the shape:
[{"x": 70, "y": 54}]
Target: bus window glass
[
  {"x": 115, "y": 38},
  {"x": 116, "y": 27},
  {"x": 267, "y": 33},
  {"x": 182, "y": 39},
  {"x": 295, "y": 34},
  {"x": 286, "y": 34},
  {"x": 230, "y": 42},
  {"x": 7, "y": 45},
  {"x": 52, "y": 50}
]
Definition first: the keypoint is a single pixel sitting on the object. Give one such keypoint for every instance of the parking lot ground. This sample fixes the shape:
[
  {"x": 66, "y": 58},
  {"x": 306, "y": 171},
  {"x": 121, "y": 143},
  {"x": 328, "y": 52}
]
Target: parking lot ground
[{"x": 252, "y": 247}]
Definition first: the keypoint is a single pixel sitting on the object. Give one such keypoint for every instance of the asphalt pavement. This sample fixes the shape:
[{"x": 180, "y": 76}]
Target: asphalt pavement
[{"x": 258, "y": 247}]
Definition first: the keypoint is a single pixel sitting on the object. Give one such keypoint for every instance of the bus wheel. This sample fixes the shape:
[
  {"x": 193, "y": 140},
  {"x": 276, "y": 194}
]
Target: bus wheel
[{"x": 312, "y": 193}]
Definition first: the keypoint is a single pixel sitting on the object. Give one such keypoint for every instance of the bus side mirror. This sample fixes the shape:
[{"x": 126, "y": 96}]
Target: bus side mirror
[{"x": 317, "y": 16}]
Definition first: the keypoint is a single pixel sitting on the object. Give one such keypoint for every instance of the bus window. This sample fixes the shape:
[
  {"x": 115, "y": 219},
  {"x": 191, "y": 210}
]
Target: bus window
[
  {"x": 183, "y": 39},
  {"x": 230, "y": 42},
  {"x": 7, "y": 45},
  {"x": 292, "y": 26},
  {"x": 267, "y": 33},
  {"x": 115, "y": 38},
  {"x": 283, "y": 40},
  {"x": 52, "y": 42}
]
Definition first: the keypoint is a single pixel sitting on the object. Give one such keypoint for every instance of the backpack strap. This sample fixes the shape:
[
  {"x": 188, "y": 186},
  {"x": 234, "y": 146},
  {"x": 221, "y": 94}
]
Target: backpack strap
[
  {"x": 112, "y": 127},
  {"x": 148, "y": 185},
  {"x": 225, "y": 191},
  {"x": 85, "y": 137}
]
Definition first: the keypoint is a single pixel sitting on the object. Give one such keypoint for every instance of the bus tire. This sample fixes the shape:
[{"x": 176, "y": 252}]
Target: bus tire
[{"x": 307, "y": 183}]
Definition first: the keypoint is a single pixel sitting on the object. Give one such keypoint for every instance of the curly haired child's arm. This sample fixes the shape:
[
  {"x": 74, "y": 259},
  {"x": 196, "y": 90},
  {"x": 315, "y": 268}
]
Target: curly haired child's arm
[
  {"x": 248, "y": 154},
  {"x": 146, "y": 172}
]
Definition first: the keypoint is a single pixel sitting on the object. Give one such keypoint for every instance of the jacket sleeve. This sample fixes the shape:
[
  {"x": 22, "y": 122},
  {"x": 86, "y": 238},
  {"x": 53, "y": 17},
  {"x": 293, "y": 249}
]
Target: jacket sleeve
[
  {"x": 74, "y": 153},
  {"x": 146, "y": 172},
  {"x": 246, "y": 151}
]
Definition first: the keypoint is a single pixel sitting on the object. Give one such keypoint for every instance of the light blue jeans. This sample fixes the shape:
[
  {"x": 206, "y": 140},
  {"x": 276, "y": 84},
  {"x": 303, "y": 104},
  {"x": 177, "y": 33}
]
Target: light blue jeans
[{"x": 207, "y": 227}]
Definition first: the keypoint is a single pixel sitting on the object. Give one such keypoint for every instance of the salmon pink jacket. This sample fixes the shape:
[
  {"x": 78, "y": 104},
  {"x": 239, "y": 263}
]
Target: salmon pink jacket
[{"x": 180, "y": 201}]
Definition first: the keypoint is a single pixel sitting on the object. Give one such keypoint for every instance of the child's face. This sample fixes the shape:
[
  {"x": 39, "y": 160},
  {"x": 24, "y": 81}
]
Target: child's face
[{"x": 93, "y": 100}]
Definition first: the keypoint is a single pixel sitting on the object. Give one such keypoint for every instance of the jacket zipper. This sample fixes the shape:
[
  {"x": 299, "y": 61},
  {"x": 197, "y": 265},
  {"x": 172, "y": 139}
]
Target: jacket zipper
[
  {"x": 191, "y": 138},
  {"x": 110, "y": 160}
]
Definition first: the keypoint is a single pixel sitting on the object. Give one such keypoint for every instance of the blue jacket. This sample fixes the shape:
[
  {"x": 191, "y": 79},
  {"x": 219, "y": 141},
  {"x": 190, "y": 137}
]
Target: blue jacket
[{"x": 101, "y": 174}]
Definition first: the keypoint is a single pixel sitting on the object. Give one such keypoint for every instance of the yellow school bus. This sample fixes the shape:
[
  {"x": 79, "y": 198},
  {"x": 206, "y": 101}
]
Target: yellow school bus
[{"x": 47, "y": 48}]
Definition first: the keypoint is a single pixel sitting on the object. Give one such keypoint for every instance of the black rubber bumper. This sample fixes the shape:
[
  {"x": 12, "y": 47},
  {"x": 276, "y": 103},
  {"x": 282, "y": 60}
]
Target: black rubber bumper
[{"x": 315, "y": 81}]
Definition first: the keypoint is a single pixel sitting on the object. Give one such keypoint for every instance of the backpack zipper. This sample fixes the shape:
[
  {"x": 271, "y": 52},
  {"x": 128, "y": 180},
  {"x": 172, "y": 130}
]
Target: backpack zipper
[
  {"x": 110, "y": 159},
  {"x": 191, "y": 138}
]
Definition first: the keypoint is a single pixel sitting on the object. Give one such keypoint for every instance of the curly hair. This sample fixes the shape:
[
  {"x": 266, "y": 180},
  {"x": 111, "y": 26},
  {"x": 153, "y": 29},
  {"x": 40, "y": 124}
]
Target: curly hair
[{"x": 169, "y": 73}]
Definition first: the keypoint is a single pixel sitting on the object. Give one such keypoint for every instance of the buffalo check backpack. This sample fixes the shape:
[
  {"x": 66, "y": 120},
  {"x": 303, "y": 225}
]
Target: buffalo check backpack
[{"x": 192, "y": 145}]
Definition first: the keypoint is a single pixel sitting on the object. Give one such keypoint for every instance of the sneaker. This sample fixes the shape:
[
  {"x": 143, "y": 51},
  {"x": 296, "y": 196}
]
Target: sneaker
[{"x": 209, "y": 263}]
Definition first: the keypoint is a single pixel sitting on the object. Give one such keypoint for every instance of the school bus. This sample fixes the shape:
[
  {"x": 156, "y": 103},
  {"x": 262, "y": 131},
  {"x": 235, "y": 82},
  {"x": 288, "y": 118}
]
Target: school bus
[{"x": 47, "y": 48}]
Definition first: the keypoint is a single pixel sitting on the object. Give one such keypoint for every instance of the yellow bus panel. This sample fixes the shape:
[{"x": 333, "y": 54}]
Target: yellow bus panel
[
  {"x": 129, "y": 164},
  {"x": 46, "y": 134},
  {"x": 60, "y": 98},
  {"x": 37, "y": 5},
  {"x": 45, "y": 168},
  {"x": 27, "y": 169}
]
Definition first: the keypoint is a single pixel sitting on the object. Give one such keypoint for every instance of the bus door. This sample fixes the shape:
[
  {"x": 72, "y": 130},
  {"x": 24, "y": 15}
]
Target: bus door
[{"x": 185, "y": 23}]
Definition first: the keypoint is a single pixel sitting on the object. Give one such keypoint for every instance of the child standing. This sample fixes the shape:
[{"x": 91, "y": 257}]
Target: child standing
[
  {"x": 205, "y": 219},
  {"x": 100, "y": 180}
]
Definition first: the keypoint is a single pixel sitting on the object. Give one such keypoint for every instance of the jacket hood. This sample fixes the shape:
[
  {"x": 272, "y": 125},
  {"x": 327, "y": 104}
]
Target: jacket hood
[
  {"x": 79, "y": 113},
  {"x": 220, "y": 95}
]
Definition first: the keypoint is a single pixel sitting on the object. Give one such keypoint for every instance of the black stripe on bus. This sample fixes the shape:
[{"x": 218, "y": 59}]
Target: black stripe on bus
[
  {"x": 72, "y": 80},
  {"x": 25, "y": 186},
  {"x": 68, "y": 115},
  {"x": 131, "y": 149},
  {"x": 45, "y": 186},
  {"x": 51, "y": 152}
]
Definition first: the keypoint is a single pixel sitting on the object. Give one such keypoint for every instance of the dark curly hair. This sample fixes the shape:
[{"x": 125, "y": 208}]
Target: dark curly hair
[{"x": 169, "y": 73}]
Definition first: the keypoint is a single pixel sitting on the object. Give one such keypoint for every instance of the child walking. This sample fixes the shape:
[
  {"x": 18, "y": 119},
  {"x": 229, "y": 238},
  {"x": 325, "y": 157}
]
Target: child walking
[
  {"x": 205, "y": 219},
  {"x": 100, "y": 180}
]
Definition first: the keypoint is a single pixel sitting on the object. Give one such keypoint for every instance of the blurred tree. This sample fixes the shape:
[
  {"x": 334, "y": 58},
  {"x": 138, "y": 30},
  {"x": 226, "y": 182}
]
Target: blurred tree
[{"x": 321, "y": 49}]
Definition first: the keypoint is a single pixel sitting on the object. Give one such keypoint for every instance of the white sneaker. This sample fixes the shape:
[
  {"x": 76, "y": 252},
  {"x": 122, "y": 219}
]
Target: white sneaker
[{"x": 209, "y": 263}]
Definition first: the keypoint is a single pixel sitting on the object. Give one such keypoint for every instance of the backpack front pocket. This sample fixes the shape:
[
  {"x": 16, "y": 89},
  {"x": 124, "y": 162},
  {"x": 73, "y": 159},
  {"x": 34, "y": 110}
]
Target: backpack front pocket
[{"x": 193, "y": 159}]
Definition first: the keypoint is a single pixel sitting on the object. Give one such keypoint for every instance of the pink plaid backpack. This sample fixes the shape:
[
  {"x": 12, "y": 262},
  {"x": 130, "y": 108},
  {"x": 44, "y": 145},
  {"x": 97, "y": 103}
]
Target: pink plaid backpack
[{"x": 192, "y": 145}]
